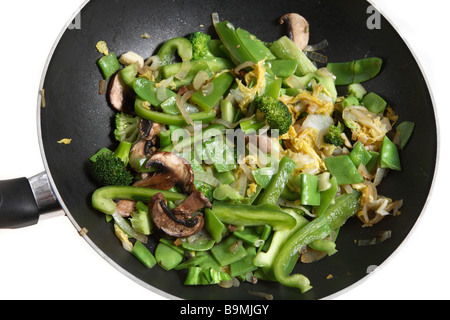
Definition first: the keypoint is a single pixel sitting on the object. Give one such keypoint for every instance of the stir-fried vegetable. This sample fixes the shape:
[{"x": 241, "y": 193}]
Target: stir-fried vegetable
[{"x": 243, "y": 154}]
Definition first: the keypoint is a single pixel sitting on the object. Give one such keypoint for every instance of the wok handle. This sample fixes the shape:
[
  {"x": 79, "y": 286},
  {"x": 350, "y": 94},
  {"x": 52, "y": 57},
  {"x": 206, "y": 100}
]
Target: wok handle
[{"x": 23, "y": 200}]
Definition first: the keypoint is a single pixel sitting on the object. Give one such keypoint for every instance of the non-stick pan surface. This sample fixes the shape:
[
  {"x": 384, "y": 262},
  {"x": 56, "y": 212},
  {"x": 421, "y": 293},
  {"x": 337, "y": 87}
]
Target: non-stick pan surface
[{"x": 75, "y": 110}]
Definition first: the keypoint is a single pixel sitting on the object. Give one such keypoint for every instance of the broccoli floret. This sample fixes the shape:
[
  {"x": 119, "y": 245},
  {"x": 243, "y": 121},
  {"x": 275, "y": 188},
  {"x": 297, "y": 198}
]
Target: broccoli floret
[
  {"x": 127, "y": 128},
  {"x": 334, "y": 137},
  {"x": 205, "y": 189},
  {"x": 110, "y": 168},
  {"x": 276, "y": 113},
  {"x": 200, "y": 49}
]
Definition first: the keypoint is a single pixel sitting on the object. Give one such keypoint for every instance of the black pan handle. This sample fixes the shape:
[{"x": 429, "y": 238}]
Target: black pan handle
[{"x": 23, "y": 200}]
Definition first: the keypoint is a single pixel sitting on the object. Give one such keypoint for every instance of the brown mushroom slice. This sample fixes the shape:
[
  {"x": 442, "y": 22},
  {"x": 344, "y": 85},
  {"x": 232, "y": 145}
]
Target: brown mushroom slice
[
  {"x": 149, "y": 130},
  {"x": 125, "y": 208},
  {"x": 193, "y": 203},
  {"x": 171, "y": 223},
  {"x": 173, "y": 168},
  {"x": 298, "y": 29},
  {"x": 120, "y": 95}
]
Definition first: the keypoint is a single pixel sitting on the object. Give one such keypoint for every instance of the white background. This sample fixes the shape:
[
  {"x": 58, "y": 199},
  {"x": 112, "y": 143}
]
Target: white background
[{"x": 51, "y": 261}]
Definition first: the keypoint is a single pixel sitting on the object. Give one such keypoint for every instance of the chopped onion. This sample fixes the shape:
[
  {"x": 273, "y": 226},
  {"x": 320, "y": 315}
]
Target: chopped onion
[
  {"x": 290, "y": 204},
  {"x": 206, "y": 178},
  {"x": 123, "y": 224},
  {"x": 379, "y": 175},
  {"x": 200, "y": 78},
  {"x": 208, "y": 89},
  {"x": 153, "y": 62},
  {"x": 243, "y": 66},
  {"x": 294, "y": 82},
  {"x": 324, "y": 181},
  {"x": 316, "y": 47},
  {"x": 317, "y": 57},
  {"x": 215, "y": 18},
  {"x": 161, "y": 90},
  {"x": 181, "y": 104},
  {"x": 184, "y": 70}
]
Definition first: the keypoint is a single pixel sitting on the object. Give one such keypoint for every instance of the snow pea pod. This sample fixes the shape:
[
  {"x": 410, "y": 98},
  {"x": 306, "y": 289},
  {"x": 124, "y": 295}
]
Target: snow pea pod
[
  {"x": 345, "y": 206},
  {"x": 356, "y": 71},
  {"x": 389, "y": 156},
  {"x": 109, "y": 65}
]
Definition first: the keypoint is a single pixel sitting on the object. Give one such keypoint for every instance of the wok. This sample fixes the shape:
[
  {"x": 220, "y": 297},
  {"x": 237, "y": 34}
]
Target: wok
[{"x": 74, "y": 109}]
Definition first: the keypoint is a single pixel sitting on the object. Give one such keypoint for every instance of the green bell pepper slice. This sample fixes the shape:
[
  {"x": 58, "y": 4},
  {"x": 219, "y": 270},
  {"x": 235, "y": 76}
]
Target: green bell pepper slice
[
  {"x": 109, "y": 65},
  {"x": 337, "y": 214},
  {"x": 170, "y": 119},
  {"x": 181, "y": 45},
  {"x": 278, "y": 182},
  {"x": 251, "y": 215},
  {"x": 221, "y": 85},
  {"x": 103, "y": 198}
]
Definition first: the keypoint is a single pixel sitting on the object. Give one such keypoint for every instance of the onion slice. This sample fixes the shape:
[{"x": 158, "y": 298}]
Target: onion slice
[
  {"x": 181, "y": 104},
  {"x": 184, "y": 70},
  {"x": 123, "y": 224}
]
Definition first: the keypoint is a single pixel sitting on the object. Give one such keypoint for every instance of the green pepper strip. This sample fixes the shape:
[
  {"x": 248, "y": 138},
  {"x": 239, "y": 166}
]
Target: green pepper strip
[
  {"x": 103, "y": 198},
  {"x": 170, "y": 119},
  {"x": 181, "y": 45},
  {"x": 337, "y": 214},
  {"x": 250, "y": 215},
  {"x": 278, "y": 182}
]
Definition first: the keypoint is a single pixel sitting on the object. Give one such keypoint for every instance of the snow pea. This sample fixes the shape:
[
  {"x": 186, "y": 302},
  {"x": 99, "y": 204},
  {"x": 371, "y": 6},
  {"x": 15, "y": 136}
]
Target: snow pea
[
  {"x": 146, "y": 90},
  {"x": 181, "y": 45},
  {"x": 283, "y": 68},
  {"x": 343, "y": 169},
  {"x": 170, "y": 119},
  {"x": 244, "y": 265},
  {"x": 360, "y": 155},
  {"x": 228, "y": 251},
  {"x": 215, "y": 227},
  {"x": 221, "y": 85},
  {"x": 374, "y": 103},
  {"x": 255, "y": 47},
  {"x": 389, "y": 156},
  {"x": 167, "y": 257},
  {"x": 143, "y": 255},
  {"x": 344, "y": 207},
  {"x": 278, "y": 182},
  {"x": 404, "y": 132},
  {"x": 356, "y": 71},
  {"x": 227, "y": 33},
  {"x": 285, "y": 49},
  {"x": 109, "y": 65}
]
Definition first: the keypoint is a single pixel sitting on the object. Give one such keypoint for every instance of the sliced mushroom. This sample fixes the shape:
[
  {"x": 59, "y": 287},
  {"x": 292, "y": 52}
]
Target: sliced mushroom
[
  {"x": 140, "y": 152},
  {"x": 193, "y": 203},
  {"x": 171, "y": 223},
  {"x": 149, "y": 130},
  {"x": 126, "y": 207},
  {"x": 298, "y": 29},
  {"x": 174, "y": 171},
  {"x": 120, "y": 95}
]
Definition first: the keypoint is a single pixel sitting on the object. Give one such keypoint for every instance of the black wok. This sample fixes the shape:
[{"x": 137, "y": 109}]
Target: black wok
[{"x": 75, "y": 110}]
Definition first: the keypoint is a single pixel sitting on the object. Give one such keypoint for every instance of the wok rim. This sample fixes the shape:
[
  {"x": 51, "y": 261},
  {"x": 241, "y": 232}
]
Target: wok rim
[{"x": 173, "y": 297}]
